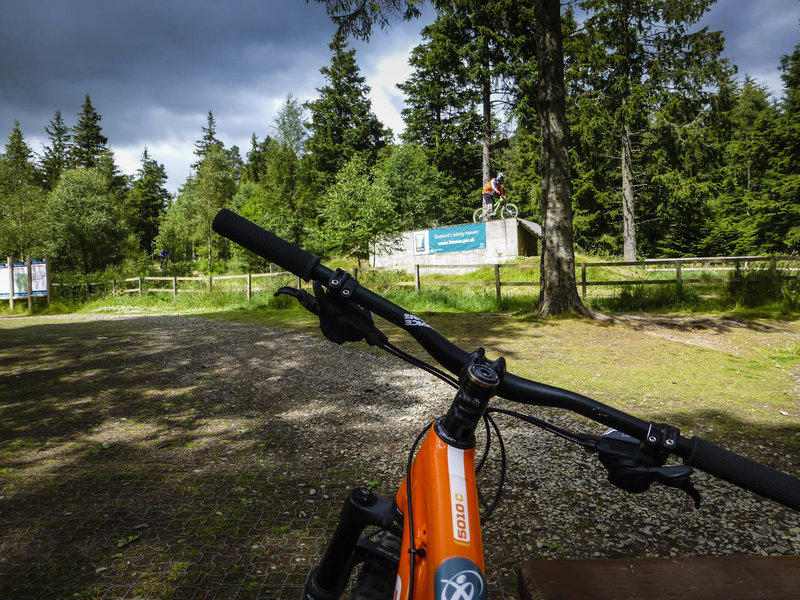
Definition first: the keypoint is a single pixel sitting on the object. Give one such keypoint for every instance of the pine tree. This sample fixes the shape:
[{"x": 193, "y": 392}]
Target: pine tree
[
  {"x": 147, "y": 201},
  {"x": 212, "y": 189},
  {"x": 441, "y": 113},
  {"x": 778, "y": 209},
  {"x": 342, "y": 122},
  {"x": 55, "y": 158},
  {"x": 635, "y": 55},
  {"x": 209, "y": 140},
  {"x": 558, "y": 291},
  {"x": 88, "y": 143},
  {"x": 21, "y": 198}
]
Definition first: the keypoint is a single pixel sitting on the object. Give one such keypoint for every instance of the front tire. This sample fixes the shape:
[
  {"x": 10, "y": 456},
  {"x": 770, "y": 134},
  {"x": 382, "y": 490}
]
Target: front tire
[
  {"x": 510, "y": 211},
  {"x": 378, "y": 575}
]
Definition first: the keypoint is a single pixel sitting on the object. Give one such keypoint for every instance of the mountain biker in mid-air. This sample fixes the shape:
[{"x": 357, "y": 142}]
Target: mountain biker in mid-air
[{"x": 493, "y": 188}]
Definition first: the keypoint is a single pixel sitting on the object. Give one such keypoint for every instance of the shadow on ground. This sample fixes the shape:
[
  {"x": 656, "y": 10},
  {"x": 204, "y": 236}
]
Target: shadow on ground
[{"x": 165, "y": 457}]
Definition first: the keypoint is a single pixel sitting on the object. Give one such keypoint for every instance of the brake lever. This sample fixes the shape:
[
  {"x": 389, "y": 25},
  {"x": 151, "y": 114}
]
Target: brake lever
[
  {"x": 631, "y": 467},
  {"x": 637, "y": 478},
  {"x": 305, "y": 299},
  {"x": 339, "y": 321}
]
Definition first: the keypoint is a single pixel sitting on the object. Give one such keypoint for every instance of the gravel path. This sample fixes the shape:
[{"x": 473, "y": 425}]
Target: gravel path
[{"x": 222, "y": 452}]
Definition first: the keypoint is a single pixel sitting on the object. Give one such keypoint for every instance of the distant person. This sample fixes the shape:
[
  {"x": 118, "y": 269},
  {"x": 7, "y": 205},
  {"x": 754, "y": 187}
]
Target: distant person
[
  {"x": 492, "y": 189},
  {"x": 164, "y": 257}
]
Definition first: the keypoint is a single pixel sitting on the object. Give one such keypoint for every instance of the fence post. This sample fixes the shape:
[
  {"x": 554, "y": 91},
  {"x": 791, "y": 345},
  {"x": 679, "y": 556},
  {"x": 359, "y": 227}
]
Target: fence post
[
  {"x": 773, "y": 266},
  {"x": 47, "y": 275},
  {"x": 209, "y": 283},
  {"x": 678, "y": 276},
  {"x": 30, "y": 283},
  {"x": 299, "y": 283},
  {"x": 355, "y": 273},
  {"x": 417, "y": 282},
  {"x": 140, "y": 287},
  {"x": 583, "y": 280},
  {"x": 11, "y": 283},
  {"x": 497, "y": 282},
  {"x": 249, "y": 286},
  {"x": 174, "y": 288}
]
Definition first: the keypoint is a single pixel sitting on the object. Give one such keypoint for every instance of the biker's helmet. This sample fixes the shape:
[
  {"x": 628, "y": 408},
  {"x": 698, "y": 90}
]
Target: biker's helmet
[{"x": 501, "y": 176}]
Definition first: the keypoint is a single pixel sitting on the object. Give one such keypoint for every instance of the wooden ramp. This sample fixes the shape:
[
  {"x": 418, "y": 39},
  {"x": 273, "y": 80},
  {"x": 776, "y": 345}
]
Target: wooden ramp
[{"x": 688, "y": 578}]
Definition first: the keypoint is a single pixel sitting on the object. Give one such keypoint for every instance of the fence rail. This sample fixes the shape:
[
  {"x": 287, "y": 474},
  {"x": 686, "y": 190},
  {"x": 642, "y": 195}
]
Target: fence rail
[{"x": 660, "y": 266}]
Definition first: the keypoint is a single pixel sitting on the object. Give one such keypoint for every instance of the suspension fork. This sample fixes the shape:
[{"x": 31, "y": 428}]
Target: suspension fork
[{"x": 362, "y": 509}]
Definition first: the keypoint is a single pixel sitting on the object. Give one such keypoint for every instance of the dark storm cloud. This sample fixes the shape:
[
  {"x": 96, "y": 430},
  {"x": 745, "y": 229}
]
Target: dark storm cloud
[
  {"x": 155, "y": 67},
  {"x": 757, "y": 34},
  {"x": 133, "y": 57}
]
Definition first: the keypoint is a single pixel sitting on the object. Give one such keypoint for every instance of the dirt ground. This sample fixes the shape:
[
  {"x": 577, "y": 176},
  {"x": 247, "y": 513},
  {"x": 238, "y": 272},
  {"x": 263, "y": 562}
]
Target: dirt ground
[{"x": 186, "y": 458}]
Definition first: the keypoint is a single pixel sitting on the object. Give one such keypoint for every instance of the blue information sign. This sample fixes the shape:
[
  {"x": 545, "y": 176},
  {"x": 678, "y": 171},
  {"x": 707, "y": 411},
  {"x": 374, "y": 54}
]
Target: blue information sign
[{"x": 457, "y": 238}]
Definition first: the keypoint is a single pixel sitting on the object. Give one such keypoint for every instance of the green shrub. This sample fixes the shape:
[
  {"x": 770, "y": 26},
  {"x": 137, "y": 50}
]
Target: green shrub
[{"x": 751, "y": 288}]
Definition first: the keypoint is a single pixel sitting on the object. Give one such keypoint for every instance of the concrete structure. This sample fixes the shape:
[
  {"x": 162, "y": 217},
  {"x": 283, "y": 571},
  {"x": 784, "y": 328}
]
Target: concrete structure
[{"x": 505, "y": 240}]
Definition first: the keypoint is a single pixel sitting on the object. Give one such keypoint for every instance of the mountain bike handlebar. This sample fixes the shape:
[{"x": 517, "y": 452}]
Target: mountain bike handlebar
[{"x": 724, "y": 464}]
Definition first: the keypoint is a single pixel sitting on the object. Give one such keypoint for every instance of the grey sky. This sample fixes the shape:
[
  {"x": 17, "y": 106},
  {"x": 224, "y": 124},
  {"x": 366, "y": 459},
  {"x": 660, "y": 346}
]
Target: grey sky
[{"x": 155, "y": 68}]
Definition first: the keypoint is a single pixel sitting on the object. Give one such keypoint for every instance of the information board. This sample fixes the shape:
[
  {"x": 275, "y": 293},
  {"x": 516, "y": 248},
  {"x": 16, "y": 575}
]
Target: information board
[
  {"x": 38, "y": 275},
  {"x": 450, "y": 239}
]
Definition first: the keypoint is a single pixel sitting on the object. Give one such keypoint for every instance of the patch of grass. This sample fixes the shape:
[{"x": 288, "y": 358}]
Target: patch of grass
[
  {"x": 654, "y": 298},
  {"x": 789, "y": 355}
]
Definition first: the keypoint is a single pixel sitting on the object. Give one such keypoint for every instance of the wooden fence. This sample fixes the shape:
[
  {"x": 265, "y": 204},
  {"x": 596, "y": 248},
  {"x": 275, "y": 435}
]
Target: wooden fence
[{"x": 661, "y": 268}]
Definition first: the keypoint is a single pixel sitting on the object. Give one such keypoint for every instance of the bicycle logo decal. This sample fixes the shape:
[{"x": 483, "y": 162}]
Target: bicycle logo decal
[
  {"x": 459, "y": 578},
  {"x": 414, "y": 321},
  {"x": 459, "y": 506}
]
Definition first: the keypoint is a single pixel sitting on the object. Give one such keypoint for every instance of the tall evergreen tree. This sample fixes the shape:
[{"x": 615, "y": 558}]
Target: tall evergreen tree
[
  {"x": 208, "y": 141},
  {"x": 342, "y": 122},
  {"x": 55, "y": 158},
  {"x": 279, "y": 199},
  {"x": 778, "y": 212},
  {"x": 88, "y": 142},
  {"x": 634, "y": 55},
  {"x": 211, "y": 190},
  {"x": 558, "y": 291},
  {"x": 21, "y": 198},
  {"x": 147, "y": 201},
  {"x": 441, "y": 112}
]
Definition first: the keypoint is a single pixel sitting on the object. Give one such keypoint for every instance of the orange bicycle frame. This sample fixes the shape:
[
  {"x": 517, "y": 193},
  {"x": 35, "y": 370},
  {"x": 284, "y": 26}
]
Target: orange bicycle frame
[{"x": 447, "y": 534}]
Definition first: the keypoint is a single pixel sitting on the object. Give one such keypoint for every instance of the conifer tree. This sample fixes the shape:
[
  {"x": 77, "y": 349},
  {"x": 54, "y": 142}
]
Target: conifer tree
[
  {"x": 441, "y": 111},
  {"x": 209, "y": 140},
  {"x": 147, "y": 201},
  {"x": 55, "y": 158},
  {"x": 342, "y": 122},
  {"x": 88, "y": 142},
  {"x": 778, "y": 211},
  {"x": 634, "y": 56},
  {"x": 21, "y": 198}
]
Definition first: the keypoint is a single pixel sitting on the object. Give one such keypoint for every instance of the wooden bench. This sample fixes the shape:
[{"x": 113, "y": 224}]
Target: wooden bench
[{"x": 687, "y": 578}]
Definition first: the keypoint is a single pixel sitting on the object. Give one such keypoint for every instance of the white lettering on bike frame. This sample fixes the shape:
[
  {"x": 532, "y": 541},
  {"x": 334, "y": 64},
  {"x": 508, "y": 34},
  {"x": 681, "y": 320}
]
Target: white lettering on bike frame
[
  {"x": 398, "y": 589},
  {"x": 414, "y": 321},
  {"x": 458, "y": 495}
]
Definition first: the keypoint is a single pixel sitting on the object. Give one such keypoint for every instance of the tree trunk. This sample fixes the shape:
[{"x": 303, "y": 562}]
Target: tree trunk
[
  {"x": 628, "y": 221},
  {"x": 558, "y": 292},
  {"x": 486, "y": 133},
  {"x": 209, "y": 253}
]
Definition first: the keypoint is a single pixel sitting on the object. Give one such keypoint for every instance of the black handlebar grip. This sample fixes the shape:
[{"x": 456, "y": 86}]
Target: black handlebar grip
[
  {"x": 745, "y": 473},
  {"x": 276, "y": 250}
]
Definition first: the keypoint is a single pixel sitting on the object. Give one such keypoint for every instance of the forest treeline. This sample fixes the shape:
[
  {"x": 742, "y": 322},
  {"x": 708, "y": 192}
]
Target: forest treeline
[{"x": 671, "y": 154}]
